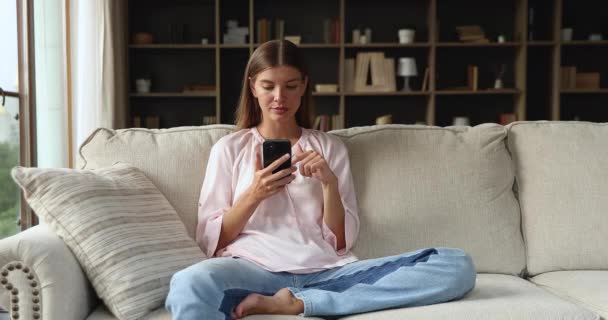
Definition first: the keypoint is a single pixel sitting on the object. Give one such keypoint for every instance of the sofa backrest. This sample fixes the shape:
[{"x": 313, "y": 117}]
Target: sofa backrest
[
  {"x": 416, "y": 186},
  {"x": 423, "y": 186},
  {"x": 562, "y": 183}
]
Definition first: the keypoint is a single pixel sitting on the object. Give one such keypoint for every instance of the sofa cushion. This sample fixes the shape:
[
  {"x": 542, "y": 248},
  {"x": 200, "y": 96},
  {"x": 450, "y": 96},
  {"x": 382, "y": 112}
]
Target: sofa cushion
[
  {"x": 174, "y": 159},
  {"x": 585, "y": 287},
  {"x": 428, "y": 186},
  {"x": 562, "y": 180},
  {"x": 495, "y": 297},
  {"x": 124, "y": 233}
]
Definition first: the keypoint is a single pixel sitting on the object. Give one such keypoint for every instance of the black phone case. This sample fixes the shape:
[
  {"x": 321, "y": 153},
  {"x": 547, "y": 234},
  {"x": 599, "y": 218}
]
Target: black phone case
[{"x": 274, "y": 149}]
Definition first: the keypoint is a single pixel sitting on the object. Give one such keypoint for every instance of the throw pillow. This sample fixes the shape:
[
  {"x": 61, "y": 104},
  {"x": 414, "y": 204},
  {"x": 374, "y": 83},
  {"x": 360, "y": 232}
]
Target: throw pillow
[{"x": 123, "y": 231}]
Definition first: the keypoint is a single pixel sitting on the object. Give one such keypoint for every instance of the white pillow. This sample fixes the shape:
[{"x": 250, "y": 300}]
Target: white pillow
[{"x": 123, "y": 231}]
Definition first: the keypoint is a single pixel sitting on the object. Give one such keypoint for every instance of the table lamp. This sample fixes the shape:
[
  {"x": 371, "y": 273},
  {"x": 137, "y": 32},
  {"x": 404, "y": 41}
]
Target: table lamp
[{"x": 407, "y": 69}]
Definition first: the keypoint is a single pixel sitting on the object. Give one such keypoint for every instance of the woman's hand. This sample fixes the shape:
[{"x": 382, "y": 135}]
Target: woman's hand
[
  {"x": 312, "y": 164},
  {"x": 265, "y": 183}
]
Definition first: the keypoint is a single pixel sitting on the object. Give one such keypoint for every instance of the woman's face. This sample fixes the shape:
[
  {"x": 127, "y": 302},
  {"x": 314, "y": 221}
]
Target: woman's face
[{"x": 279, "y": 91}]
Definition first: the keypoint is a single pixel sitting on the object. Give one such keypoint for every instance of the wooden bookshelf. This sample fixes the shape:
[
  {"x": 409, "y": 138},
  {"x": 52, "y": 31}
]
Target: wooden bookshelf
[{"x": 532, "y": 55}]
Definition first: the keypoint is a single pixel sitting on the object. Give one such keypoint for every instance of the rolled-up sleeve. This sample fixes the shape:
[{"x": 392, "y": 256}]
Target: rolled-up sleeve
[
  {"x": 215, "y": 198},
  {"x": 339, "y": 163}
]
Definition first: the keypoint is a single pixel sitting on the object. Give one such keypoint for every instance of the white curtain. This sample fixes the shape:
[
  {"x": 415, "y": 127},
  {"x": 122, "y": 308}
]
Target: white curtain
[{"x": 98, "y": 55}]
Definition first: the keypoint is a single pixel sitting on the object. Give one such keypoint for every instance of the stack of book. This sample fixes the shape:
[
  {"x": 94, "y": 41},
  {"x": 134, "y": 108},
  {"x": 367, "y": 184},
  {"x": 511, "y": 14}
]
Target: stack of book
[
  {"x": 358, "y": 70},
  {"x": 267, "y": 30},
  {"x": 326, "y": 122},
  {"x": 472, "y": 33}
]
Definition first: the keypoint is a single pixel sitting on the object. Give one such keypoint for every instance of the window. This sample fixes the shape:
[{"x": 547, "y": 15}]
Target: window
[{"x": 9, "y": 123}]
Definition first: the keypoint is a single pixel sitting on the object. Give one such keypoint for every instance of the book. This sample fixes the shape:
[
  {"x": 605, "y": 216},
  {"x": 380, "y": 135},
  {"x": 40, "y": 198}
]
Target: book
[
  {"x": 361, "y": 71},
  {"x": 377, "y": 69},
  {"x": 349, "y": 75},
  {"x": 389, "y": 73},
  {"x": 568, "y": 77},
  {"x": 587, "y": 80},
  {"x": 425, "y": 79},
  {"x": 472, "y": 77}
]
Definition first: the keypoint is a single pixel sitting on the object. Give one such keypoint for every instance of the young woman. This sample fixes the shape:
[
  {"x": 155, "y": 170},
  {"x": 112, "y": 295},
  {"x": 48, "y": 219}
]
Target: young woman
[{"x": 281, "y": 242}]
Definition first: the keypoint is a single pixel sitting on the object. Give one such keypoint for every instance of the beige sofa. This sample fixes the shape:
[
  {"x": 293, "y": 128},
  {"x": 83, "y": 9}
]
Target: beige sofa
[{"x": 528, "y": 201}]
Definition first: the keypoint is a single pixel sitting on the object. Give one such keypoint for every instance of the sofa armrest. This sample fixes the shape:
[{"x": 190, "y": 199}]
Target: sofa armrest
[{"x": 41, "y": 279}]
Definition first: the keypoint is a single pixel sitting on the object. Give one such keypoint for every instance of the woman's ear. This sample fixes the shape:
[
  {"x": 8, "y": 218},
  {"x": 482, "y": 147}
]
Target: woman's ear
[{"x": 252, "y": 86}]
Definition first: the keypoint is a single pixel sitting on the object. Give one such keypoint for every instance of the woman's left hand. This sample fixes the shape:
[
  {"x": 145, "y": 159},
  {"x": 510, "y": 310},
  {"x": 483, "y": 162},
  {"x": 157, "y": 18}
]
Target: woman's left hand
[{"x": 312, "y": 164}]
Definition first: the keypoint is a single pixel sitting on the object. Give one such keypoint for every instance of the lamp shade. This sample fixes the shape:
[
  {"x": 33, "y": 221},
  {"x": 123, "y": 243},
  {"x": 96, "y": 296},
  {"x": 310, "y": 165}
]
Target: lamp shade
[{"x": 407, "y": 67}]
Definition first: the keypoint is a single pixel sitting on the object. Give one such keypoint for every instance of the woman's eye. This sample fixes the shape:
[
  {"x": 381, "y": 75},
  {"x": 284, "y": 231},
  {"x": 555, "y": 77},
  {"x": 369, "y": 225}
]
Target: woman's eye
[{"x": 288, "y": 87}]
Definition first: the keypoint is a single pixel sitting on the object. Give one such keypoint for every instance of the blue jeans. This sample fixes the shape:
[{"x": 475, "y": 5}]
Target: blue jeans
[{"x": 212, "y": 288}]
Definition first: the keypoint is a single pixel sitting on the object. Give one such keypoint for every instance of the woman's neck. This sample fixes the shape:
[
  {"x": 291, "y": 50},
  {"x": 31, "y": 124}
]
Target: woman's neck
[{"x": 278, "y": 131}]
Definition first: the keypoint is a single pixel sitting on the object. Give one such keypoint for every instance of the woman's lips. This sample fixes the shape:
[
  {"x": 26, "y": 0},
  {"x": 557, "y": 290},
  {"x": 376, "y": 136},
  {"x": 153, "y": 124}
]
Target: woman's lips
[{"x": 279, "y": 110}]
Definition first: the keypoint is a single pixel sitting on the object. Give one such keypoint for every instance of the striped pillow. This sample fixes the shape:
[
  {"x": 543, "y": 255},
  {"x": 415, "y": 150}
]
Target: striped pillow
[{"x": 125, "y": 234}]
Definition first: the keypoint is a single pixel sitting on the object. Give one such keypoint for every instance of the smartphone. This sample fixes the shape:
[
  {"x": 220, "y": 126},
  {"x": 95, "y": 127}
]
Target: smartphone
[{"x": 272, "y": 149}]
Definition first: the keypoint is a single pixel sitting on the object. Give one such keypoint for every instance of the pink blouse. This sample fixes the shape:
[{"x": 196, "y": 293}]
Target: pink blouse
[{"x": 286, "y": 232}]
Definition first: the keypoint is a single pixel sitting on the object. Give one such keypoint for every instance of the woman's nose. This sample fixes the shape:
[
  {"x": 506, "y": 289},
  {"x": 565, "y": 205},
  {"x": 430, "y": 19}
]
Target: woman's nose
[{"x": 279, "y": 94}]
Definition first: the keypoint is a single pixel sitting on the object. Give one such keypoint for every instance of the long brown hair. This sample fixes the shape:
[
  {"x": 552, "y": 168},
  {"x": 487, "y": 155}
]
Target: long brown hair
[{"x": 268, "y": 55}]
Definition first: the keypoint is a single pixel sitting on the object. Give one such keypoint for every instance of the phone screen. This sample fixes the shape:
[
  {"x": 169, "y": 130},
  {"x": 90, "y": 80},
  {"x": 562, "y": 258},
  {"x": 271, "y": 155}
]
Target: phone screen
[{"x": 273, "y": 149}]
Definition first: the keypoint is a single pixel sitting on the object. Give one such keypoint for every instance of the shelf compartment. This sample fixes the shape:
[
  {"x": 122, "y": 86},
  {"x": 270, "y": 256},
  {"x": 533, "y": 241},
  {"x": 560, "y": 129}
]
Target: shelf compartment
[
  {"x": 495, "y": 17},
  {"x": 303, "y": 18},
  {"x": 174, "y": 111},
  {"x": 363, "y": 111},
  {"x": 196, "y": 19},
  {"x": 385, "y": 18},
  {"x": 478, "y": 108},
  {"x": 584, "y": 107},
  {"x": 452, "y": 67},
  {"x": 172, "y": 70}
]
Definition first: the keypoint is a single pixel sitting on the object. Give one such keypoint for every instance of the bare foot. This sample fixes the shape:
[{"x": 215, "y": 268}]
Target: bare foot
[{"x": 283, "y": 302}]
